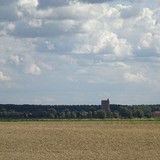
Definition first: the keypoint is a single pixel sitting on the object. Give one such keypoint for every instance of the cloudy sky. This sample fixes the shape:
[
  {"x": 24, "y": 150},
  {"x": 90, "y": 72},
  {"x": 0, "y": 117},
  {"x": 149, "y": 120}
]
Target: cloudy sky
[{"x": 79, "y": 51}]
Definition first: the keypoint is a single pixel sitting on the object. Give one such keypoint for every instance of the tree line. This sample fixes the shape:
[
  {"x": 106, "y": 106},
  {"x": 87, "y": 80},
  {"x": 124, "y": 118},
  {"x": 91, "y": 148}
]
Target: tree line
[{"x": 14, "y": 111}]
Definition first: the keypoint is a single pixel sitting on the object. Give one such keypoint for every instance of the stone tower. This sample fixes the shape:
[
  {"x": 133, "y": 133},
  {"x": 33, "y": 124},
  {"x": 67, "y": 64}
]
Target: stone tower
[{"x": 105, "y": 105}]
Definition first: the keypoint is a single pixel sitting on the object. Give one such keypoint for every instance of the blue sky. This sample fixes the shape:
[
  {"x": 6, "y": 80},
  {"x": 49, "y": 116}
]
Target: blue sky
[{"x": 79, "y": 51}]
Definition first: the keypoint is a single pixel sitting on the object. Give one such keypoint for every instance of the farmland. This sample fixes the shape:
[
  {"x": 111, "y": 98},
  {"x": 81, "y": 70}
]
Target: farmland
[{"x": 81, "y": 140}]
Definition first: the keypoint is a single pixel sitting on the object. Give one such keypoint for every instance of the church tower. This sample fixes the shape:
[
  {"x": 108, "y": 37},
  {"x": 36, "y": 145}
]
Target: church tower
[{"x": 105, "y": 105}]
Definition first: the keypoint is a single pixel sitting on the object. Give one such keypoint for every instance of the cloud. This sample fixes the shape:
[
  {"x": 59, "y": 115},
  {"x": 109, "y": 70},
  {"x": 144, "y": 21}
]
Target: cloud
[
  {"x": 34, "y": 69},
  {"x": 48, "y": 29},
  {"x": 108, "y": 43},
  {"x": 15, "y": 59},
  {"x": 130, "y": 12},
  {"x": 87, "y": 48},
  {"x": 138, "y": 77},
  {"x": 4, "y": 77},
  {"x": 26, "y": 3},
  {"x": 146, "y": 40},
  {"x": 96, "y": 1},
  {"x": 45, "y": 45},
  {"x": 121, "y": 65}
]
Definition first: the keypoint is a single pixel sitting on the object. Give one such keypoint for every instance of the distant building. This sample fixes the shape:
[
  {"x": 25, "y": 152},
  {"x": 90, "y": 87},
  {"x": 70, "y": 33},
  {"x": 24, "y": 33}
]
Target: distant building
[
  {"x": 105, "y": 105},
  {"x": 156, "y": 113}
]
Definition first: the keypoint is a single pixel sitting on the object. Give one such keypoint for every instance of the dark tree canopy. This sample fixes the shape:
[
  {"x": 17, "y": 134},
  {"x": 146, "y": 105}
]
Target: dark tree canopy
[{"x": 76, "y": 111}]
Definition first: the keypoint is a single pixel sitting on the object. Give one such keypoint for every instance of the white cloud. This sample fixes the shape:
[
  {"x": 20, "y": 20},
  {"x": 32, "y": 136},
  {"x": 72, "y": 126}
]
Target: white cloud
[
  {"x": 34, "y": 69},
  {"x": 138, "y": 77},
  {"x": 87, "y": 48},
  {"x": 121, "y": 65},
  {"x": 112, "y": 44},
  {"x": 96, "y": 80},
  {"x": 146, "y": 40},
  {"x": 15, "y": 59},
  {"x": 157, "y": 42},
  {"x": 26, "y": 3},
  {"x": 9, "y": 27},
  {"x": 4, "y": 77}
]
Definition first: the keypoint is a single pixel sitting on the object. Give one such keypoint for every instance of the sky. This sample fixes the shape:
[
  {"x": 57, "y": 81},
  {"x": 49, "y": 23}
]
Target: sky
[{"x": 79, "y": 51}]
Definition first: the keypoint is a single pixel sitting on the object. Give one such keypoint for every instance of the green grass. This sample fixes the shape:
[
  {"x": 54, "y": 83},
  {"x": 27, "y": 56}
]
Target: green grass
[{"x": 83, "y": 120}]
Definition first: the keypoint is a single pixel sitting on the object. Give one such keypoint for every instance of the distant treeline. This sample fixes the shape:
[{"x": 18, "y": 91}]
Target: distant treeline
[{"x": 76, "y": 111}]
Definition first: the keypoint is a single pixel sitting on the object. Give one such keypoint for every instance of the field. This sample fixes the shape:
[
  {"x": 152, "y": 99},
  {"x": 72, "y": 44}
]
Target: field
[{"x": 81, "y": 140}]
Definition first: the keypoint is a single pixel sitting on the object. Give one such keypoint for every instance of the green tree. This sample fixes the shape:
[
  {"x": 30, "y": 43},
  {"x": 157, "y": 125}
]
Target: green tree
[
  {"x": 11, "y": 113},
  {"x": 73, "y": 115},
  {"x": 62, "y": 115},
  {"x": 126, "y": 112},
  {"x": 52, "y": 113},
  {"x": 101, "y": 114},
  {"x": 83, "y": 114},
  {"x": 116, "y": 114},
  {"x": 140, "y": 113},
  {"x": 90, "y": 114},
  {"x": 94, "y": 114},
  {"x": 109, "y": 114},
  {"x": 147, "y": 112},
  {"x": 92, "y": 109},
  {"x": 67, "y": 113}
]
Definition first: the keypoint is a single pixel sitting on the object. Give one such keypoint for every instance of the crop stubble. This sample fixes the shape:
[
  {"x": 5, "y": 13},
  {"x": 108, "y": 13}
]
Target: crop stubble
[{"x": 79, "y": 140}]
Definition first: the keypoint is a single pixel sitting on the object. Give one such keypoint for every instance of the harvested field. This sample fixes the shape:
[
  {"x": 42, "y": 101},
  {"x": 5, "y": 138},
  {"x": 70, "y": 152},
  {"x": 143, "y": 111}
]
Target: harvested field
[{"x": 79, "y": 140}]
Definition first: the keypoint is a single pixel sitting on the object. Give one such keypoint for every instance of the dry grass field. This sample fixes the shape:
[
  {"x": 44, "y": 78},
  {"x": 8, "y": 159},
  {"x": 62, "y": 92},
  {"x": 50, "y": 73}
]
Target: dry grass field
[{"x": 90, "y": 140}]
